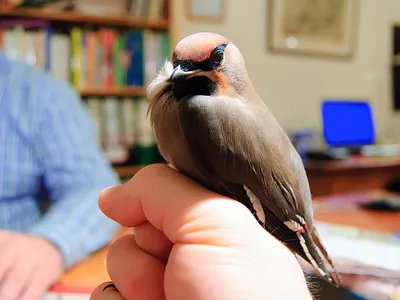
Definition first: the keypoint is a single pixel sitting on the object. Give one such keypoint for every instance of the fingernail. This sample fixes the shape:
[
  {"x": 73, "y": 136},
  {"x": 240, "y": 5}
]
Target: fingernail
[{"x": 111, "y": 285}]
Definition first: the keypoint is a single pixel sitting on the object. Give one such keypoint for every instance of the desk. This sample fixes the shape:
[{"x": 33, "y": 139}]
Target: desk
[
  {"x": 356, "y": 173},
  {"x": 341, "y": 209},
  {"x": 93, "y": 271},
  {"x": 338, "y": 209}
]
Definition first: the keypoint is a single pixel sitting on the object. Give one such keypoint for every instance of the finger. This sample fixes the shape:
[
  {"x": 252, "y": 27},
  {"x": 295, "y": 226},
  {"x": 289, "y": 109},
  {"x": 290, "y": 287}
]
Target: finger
[
  {"x": 105, "y": 292},
  {"x": 136, "y": 274},
  {"x": 176, "y": 206},
  {"x": 16, "y": 280},
  {"x": 153, "y": 241},
  {"x": 7, "y": 260},
  {"x": 5, "y": 237},
  {"x": 36, "y": 286}
]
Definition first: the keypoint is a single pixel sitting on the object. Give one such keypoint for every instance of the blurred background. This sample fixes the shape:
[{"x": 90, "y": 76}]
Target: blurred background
[{"x": 328, "y": 70}]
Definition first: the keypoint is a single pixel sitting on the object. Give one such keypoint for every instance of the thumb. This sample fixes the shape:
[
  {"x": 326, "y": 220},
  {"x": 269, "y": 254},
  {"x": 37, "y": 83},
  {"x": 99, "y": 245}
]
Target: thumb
[{"x": 106, "y": 291}]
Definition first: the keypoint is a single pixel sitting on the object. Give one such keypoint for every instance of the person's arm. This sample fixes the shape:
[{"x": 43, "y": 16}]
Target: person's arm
[{"x": 75, "y": 172}]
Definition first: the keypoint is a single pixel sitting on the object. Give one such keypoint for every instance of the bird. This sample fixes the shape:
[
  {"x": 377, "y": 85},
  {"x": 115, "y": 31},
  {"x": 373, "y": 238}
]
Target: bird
[{"x": 210, "y": 123}]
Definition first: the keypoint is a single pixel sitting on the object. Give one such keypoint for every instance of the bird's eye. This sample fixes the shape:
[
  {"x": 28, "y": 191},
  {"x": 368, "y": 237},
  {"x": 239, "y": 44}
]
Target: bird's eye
[
  {"x": 217, "y": 56},
  {"x": 216, "y": 59}
]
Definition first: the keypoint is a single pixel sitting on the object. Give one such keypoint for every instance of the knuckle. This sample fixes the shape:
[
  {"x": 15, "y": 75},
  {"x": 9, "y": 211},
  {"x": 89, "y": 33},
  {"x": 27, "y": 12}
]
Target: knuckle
[
  {"x": 148, "y": 174},
  {"x": 150, "y": 170}
]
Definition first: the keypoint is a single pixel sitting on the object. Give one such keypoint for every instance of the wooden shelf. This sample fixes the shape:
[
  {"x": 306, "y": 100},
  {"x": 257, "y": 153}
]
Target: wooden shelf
[
  {"x": 127, "y": 171},
  {"x": 117, "y": 92},
  {"x": 76, "y": 17}
]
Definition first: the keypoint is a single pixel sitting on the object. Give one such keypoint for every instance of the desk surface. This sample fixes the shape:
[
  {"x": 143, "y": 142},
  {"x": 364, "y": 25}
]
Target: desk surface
[
  {"x": 342, "y": 209},
  {"x": 93, "y": 271},
  {"x": 353, "y": 163},
  {"x": 338, "y": 209}
]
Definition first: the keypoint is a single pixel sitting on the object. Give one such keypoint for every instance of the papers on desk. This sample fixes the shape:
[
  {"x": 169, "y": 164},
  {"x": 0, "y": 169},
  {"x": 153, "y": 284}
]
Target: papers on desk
[
  {"x": 62, "y": 292},
  {"x": 358, "y": 251},
  {"x": 65, "y": 296}
]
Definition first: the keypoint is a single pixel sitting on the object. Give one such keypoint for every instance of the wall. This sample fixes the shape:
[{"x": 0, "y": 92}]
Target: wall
[{"x": 293, "y": 86}]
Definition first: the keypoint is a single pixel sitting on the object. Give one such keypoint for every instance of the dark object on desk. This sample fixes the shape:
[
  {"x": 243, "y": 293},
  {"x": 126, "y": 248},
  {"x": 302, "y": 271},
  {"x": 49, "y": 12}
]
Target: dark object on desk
[
  {"x": 387, "y": 204},
  {"x": 320, "y": 155},
  {"x": 327, "y": 154},
  {"x": 393, "y": 186},
  {"x": 35, "y": 3},
  {"x": 324, "y": 291}
]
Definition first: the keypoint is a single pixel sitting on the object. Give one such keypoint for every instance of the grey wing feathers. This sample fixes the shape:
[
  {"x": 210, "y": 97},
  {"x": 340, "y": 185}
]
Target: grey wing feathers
[
  {"x": 236, "y": 145},
  {"x": 234, "y": 137}
]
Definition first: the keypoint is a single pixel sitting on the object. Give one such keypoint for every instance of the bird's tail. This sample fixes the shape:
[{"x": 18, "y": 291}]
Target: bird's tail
[
  {"x": 316, "y": 254},
  {"x": 332, "y": 271}
]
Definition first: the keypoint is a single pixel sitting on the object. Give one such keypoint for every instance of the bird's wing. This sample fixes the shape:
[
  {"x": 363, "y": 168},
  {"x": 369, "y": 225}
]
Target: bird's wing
[
  {"x": 238, "y": 142},
  {"x": 240, "y": 146}
]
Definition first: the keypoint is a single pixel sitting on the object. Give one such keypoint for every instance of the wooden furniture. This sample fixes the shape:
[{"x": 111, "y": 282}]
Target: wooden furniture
[
  {"x": 352, "y": 174},
  {"x": 76, "y": 17},
  {"x": 342, "y": 209},
  {"x": 93, "y": 271},
  {"x": 337, "y": 209}
]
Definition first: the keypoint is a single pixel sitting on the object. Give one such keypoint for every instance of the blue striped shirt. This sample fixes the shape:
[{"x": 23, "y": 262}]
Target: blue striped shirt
[{"x": 49, "y": 152}]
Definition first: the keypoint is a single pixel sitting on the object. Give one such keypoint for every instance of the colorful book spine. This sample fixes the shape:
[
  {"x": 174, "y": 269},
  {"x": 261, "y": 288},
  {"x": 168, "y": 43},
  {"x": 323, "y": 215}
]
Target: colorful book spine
[
  {"x": 76, "y": 56},
  {"x": 89, "y": 58},
  {"x": 136, "y": 67}
]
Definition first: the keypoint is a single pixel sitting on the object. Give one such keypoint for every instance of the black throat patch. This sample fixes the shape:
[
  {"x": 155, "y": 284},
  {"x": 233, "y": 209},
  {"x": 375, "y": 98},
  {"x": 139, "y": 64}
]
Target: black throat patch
[{"x": 198, "y": 85}]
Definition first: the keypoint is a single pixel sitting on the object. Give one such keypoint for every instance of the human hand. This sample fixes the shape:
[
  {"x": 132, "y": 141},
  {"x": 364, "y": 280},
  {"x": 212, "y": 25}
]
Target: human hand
[
  {"x": 190, "y": 243},
  {"x": 29, "y": 265}
]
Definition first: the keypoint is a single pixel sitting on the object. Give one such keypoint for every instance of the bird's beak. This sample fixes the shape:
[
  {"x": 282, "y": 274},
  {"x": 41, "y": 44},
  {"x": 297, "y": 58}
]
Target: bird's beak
[{"x": 179, "y": 74}]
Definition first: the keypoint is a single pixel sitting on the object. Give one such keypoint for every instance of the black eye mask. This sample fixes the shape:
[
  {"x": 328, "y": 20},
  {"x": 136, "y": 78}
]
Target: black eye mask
[{"x": 214, "y": 61}]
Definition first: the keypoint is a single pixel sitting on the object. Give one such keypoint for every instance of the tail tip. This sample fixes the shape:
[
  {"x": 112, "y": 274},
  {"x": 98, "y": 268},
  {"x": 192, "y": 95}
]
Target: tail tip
[{"x": 335, "y": 280}]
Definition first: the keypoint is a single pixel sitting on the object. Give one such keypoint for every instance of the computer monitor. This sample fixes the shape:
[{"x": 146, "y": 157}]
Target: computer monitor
[{"x": 347, "y": 123}]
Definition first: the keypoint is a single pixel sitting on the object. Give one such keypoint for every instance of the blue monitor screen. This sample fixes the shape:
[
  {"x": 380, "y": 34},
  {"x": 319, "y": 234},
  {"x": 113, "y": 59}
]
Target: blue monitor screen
[{"x": 347, "y": 123}]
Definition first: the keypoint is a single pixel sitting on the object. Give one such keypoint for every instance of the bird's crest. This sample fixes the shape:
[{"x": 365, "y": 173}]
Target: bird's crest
[{"x": 197, "y": 47}]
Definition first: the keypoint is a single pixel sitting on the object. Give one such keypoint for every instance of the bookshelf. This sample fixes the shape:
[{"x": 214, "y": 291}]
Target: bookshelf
[
  {"x": 117, "y": 92},
  {"x": 108, "y": 59},
  {"x": 76, "y": 17}
]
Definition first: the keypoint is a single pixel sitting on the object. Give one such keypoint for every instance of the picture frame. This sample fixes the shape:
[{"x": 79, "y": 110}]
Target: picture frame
[
  {"x": 205, "y": 10},
  {"x": 322, "y": 28}
]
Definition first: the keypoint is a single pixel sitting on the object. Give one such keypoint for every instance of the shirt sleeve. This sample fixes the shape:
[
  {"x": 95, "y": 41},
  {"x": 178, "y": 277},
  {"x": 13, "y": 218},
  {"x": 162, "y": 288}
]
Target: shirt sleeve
[{"x": 75, "y": 172}]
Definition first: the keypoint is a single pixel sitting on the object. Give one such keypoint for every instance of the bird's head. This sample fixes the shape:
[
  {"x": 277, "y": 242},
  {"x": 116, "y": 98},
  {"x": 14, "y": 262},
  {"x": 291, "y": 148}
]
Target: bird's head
[
  {"x": 202, "y": 64},
  {"x": 206, "y": 64}
]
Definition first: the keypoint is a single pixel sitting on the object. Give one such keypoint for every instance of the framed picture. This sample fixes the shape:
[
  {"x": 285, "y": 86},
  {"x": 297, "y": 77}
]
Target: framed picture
[
  {"x": 325, "y": 28},
  {"x": 205, "y": 10}
]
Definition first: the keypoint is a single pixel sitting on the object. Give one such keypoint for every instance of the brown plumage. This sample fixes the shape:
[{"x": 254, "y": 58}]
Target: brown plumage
[{"x": 212, "y": 125}]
